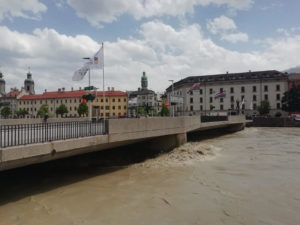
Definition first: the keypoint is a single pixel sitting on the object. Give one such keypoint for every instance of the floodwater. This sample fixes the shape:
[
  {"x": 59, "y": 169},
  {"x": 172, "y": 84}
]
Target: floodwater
[{"x": 249, "y": 177}]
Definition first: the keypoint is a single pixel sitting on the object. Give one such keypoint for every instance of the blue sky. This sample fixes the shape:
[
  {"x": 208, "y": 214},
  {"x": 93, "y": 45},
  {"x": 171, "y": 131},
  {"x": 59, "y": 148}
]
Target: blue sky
[{"x": 167, "y": 39}]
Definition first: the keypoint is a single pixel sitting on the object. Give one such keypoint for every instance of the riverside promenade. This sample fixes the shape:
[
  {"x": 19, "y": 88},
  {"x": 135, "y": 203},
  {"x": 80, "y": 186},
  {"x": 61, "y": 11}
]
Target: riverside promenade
[{"x": 33, "y": 142}]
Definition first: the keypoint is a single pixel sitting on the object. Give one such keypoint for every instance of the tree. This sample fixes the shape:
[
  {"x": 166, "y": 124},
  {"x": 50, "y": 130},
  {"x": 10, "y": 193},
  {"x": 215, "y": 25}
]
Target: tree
[
  {"x": 291, "y": 99},
  {"x": 61, "y": 110},
  {"x": 22, "y": 112},
  {"x": 141, "y": 110},
  {"x": 264, "y": 107},
  {"x": 83, "y": 109},
  {"x": 5, "y": 111},
  {"x": 43, "y": 110},
  {"x": 164, "y": 111}
]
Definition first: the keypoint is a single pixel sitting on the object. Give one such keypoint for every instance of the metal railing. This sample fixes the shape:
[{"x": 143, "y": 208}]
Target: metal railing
[
  {"x": 205, "y": 119},
  {"x": 23, "y": 134}
]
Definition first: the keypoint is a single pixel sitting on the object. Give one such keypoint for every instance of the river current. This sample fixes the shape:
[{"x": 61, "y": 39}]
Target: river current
[{"x": 249, "y": 177}]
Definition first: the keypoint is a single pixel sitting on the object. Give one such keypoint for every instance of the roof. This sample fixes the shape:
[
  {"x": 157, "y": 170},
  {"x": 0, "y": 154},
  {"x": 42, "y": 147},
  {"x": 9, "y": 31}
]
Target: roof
[
  {"x": 70, "y": 94},
  {"x": 12, "y": 94},
  {"x": 268, "y": 74},
  {"x": 294, "y": 76}
]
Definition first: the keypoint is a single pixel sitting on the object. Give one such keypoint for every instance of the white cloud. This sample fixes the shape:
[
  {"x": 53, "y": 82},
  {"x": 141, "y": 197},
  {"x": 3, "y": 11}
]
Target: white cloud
[
  {"x": 163, "y": 52},
  {"x": 226, "y": 28},
  {"x": 29, "y": 9},
  {"x": 220, "y": 25},
  {"x": 235, "y": 37},
  {"x": 98, "y": 12}
]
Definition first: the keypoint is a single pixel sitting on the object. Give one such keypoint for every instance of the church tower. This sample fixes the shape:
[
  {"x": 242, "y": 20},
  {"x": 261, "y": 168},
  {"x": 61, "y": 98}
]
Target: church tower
[
  {"x": 2, "y": 84},
  {"x": 29, "y": 84},
  {"x": 144, "y": 81}
]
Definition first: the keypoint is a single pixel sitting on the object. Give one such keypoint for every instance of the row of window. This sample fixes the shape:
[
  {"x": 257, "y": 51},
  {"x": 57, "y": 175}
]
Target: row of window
[
  {"x": 254, "y": 98},
  {"x": 211, "y": 107},
  {"x": 76, "y": 115},
  {"x": 243, "y": 89},
  {"x": 75, "y": 108},
  {"x": 64, "y": 101}
]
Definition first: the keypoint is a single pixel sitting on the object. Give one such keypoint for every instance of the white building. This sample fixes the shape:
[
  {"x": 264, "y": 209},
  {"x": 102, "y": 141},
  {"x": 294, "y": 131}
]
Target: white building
[{"x": 243, "y": 92}]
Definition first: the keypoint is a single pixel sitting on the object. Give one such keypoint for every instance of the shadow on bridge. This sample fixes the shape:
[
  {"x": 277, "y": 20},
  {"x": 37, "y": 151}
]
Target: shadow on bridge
[{"x": 22, "y": 182}]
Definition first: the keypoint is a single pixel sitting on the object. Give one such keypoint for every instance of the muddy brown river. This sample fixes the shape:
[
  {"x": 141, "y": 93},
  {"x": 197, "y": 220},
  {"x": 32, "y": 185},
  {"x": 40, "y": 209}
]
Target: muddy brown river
[{"x": 249, "y": 177}]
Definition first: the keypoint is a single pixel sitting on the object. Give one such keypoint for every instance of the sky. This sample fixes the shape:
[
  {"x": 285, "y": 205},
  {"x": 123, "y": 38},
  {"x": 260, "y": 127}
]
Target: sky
[{"x": 168, "y": 39}]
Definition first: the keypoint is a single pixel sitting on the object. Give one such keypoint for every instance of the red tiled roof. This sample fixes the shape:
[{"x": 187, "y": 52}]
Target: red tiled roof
[
  {"x": 69, "y": 94},
  {"x": 12, "y": 94}
]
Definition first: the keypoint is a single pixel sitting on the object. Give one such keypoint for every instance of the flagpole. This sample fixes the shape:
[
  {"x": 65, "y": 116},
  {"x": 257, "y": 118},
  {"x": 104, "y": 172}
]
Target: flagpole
[{"x": 103, "y": 82}]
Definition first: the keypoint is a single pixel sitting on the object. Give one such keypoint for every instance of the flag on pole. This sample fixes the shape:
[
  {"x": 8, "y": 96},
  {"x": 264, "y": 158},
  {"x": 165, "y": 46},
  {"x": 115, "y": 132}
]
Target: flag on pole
[
  {"x": 80, "y": 73},
  {"x": 195, "y": 87},
  {"x": 97, "y": 61},
  {"x": 220, "y": 95}
]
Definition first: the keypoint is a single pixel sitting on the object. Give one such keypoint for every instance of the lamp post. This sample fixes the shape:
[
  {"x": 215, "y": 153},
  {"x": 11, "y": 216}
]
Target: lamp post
[
  {"x": 89, "y": 101},
  {"x": 172, "y": 96}
]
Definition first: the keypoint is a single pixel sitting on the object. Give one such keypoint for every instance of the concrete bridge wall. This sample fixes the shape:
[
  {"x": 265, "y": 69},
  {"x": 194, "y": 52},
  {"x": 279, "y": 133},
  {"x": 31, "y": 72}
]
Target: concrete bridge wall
[{"x": 164, "y": 132}]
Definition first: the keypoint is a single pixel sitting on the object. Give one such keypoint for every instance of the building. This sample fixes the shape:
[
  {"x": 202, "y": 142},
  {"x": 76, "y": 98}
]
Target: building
[
  {"x": 116, "y": 102},
  {"x": 143, "y": 99},
  {"x": 230, "y": 92},
  {"x": 294, "y": 79},
  {"x": 11, "y": 98}
]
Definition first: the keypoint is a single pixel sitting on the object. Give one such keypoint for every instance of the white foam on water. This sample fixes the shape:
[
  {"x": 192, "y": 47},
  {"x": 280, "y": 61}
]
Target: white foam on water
[{"x": 184, "y": 155}]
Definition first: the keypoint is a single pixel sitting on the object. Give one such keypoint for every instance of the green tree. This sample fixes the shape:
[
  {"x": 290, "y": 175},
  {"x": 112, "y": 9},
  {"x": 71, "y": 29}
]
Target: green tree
[
  {"x": 5, "y": 111},
  {"x": 61, "y": 110},
  {"x": 83, "y": 109},
  {"x": 264, "y": 107},
  {"x": 43, "y": 110},
  {"x": 164, "y": 110},
  {"x": 22, "y": 112},
  {"x": 141, "y": 110},
  {"x": 291, "y": 99}
]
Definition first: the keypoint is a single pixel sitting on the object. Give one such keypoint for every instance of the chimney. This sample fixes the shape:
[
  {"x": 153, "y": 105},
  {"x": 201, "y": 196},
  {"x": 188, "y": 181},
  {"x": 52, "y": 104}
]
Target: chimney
[
  {"x": 45, "y": 90},
  {"x": 59, "y": 90},
  {"x": 108, "y": 88},
  {"x": 63, "y": 89},
  {"x": 79, "y": 88},
  {"x": 227, "y": 72},
  {"x": 72, "y": 89},
  {"x": 112, "y": 89},
  {"x": 249, "y": 71}
]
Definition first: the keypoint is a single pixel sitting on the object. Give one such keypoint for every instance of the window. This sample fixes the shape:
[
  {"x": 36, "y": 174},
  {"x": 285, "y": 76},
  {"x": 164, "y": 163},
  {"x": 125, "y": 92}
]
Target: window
[
  {"x": 243, "y": 89},
  {"x": 114, "y": 114},
  {"x": 277, "y": 87},
  {"x": 56, "y": 101},
  {"x": 221, "y": 107},
  {"x": 125, "y": 107},
  {"x": 266, "y": 88},
  {"x": 278, "y": 97},
  {"x": 254, "y": 89},
  {"x": 102, "y": 107},
  {"x": 221, "y": 100},
  {"x": 107, "y": 114},
  {"x": 191, "y": 108},
  {"x": 232, "y": 106},
  {"x": 106, "y": 100},
  {"x": 278, "y": 106},
  {"x": 210, "y": 99},
  {"x": 101, "y": 99},
  {"x": 51, "y": 101},
  {"x": 107, "y": 107},
  {"x": 201, "y": 100},
  {"x": 124, "y": 99},
  {"x": 231, "y": 98},
  {"x": 266, "y": 97},
  {"x": 75, "y": 108},
  {"x": 254, "y": 98},
  {"x": 113, "y": 100},
  {"x": 113, "y": 107},
  {"x": 119, "y": 100},
  {"x": 200, "y": 91},
  {"x": 254, "y": 106},
  {"x": 211, "y": 107},
  {"x": 70, "y": 108},
  {"x": 210, "y": 91},
  {"x": 70, "y": 100},
  {"x": 221, "y": 89},
  {"x": 201, "y": 107},
  {"x": 41, "y": 101},
  {"x": 66, "y": 101},
  {"x": 119, "y": 107},
  {"x": 231, "y": 90},
  {"x": 242, "y": 97},
  {"x": 191, "y": 100}
]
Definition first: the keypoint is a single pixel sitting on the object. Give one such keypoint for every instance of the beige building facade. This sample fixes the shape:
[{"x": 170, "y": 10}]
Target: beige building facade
[{"x": 241, "y": 91}]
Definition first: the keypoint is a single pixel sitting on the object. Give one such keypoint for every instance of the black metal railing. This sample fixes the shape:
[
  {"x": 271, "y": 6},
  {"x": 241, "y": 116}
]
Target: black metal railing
[
  {"x": 23, "y": 134},
  {"x": 205, "y": 119}
]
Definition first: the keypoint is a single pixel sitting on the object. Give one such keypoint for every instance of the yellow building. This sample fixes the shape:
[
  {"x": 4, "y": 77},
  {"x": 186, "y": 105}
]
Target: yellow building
[{"x": 116, "y": 103}]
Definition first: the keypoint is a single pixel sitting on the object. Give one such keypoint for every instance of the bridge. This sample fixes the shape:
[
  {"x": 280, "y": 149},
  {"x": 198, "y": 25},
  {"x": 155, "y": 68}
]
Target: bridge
[{"x": 26, "y": 144}]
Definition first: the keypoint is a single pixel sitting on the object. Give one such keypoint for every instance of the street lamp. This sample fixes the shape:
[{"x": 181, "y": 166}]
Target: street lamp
[
  {"x": 90, "y": 104},
  {"x": 171, "y": 97}
]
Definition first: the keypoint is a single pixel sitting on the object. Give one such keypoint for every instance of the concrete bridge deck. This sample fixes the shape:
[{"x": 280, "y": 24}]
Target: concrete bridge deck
[{"x": 166, "y": 132}]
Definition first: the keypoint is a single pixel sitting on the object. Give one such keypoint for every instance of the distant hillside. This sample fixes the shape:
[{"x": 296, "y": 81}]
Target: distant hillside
[{"x": 293, "y": 70}]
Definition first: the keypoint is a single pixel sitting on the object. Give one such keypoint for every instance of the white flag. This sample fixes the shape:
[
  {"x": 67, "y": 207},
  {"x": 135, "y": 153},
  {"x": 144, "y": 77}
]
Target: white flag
[
  {"x": 97, "y": 61},
  {"x": 80, "y": 73}
]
